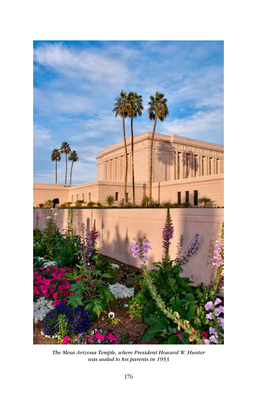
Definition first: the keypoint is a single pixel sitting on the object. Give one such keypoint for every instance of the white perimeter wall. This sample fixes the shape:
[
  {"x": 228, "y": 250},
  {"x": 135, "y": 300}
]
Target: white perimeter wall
[{"x": 118, "y": 227}]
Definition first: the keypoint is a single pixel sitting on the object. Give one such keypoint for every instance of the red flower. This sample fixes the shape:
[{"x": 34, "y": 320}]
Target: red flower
[{"x": 204, "y": 334}]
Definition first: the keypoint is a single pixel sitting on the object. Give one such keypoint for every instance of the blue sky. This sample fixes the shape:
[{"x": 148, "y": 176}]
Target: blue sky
[{"x": 76, "y": 83}]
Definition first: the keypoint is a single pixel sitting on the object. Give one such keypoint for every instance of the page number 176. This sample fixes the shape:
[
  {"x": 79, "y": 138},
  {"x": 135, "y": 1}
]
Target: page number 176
[{"x": 128, "y": 376}]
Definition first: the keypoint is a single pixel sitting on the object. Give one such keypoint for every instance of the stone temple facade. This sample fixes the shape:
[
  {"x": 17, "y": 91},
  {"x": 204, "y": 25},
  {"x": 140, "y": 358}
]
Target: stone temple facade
[{"x": 184, "y": 170}]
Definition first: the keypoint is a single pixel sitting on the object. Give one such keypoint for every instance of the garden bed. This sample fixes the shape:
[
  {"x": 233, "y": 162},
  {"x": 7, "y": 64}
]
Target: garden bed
[
  {"x": 128, "y": 323},
  {"x": 83, "y": 297}
]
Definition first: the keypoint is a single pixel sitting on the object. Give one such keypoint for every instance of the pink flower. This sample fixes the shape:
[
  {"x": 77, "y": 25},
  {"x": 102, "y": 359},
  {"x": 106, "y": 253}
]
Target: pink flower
[
  {"x": 217, "y": 301},
  {"x": 55, "y": 295},
  {"x": 213, "y": 339},
  {"x": 111, "y": 337},
  {"x": 99, "y": 336},
  {"x": 78, "y": 279},
  {"x": 218, "y": 310},
  {"x": 207, "y": 341},
  {"x": 209, "y": 305},
  {"x": 179, "y": 335},
  {"x": 65, "y": 340},
  {"x": 56, "y": 302}
]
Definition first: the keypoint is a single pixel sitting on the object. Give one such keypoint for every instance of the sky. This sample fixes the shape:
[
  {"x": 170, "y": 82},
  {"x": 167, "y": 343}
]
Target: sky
[{"x": 76, "y": 84}]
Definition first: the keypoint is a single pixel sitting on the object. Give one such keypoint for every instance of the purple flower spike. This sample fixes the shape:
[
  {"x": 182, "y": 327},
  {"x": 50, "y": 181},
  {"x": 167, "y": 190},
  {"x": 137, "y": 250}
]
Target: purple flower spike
[
  {"x": 140, "y": 249},
  {"x": 209, "y": 305}
]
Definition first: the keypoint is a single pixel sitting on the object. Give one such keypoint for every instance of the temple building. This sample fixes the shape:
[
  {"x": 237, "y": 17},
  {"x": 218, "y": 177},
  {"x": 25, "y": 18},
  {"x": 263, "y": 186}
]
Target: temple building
[{"x": 184, "y": 170}]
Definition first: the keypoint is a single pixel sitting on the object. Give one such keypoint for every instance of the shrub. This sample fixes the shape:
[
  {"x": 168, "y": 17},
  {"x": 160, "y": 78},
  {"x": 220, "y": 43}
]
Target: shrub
[
  {"x": 67, "y": 251},
  {"x": 145, "y": 202},
  {"x": 206, "y": 201},
  {"x": 91, "y": 204},
  {"x": 48, "y": 204},
  {"x": 110, "y": 200},
  {"x": 79, "y": 203},
  {"x": 90, "y": 290}
]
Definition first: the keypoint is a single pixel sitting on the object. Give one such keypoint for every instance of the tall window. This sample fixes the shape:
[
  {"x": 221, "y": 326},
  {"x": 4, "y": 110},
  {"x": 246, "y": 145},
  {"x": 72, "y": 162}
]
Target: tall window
[
  {"x": 179, "y": 165},
  {"x": 187, "y": 165},
  {"x": 187, "y": 198},
  {"x": 195, "y": 197},
  {"x": 203, "y": 159},
  {"x": 127, "y": 197},
  {"x": 210, "y": 166},
  {"x": 116, "y": 196},
  {"x": 217, "y": 166},
  {"x": 179, "y": 197}
]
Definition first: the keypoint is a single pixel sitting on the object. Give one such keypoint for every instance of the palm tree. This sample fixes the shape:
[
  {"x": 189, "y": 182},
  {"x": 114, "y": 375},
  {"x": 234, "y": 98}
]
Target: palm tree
[
  {"x": 135, "y": 109},
  {"x": 74, "y": 158},
  {"x": 121, "y": 109},
  {"x": 65, "y": 149},
  {"x": 55, "y": 156},
  {"x": 157, "y": 110}
]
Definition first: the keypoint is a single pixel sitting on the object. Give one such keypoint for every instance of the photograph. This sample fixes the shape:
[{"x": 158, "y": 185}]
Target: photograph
[{"x": 128, "y": 193}]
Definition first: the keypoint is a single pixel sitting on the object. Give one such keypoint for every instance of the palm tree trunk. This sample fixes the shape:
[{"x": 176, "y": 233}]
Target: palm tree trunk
[
  {"x": 124, "y": 132},
  {"x": 71, "y": 174},
  {"x": 66, "y": 170},
  {"x": 132, "y": 149},
  {"x": 151, "y": 160},
  {"x": 56, "y": 171}
]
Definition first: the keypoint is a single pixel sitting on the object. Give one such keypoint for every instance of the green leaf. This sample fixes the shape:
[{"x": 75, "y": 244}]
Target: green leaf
[
  {"x": 150, "y": 333},
  {"x": 155, "y": 320},
  {"x": 172, "y": 340}
]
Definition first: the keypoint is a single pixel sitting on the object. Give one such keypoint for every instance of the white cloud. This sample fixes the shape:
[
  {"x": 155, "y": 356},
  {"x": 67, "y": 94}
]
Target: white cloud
[
  {"x": 61, "y": 102},
  {"x": 81, "y": 64},
  {"x": 41, "y": 135},
  {"x": 207, "y": 125}
]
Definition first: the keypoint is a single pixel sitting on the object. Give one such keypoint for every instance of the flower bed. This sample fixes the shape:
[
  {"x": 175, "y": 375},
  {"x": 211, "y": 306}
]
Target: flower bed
[{"x": 89, "y": 299}]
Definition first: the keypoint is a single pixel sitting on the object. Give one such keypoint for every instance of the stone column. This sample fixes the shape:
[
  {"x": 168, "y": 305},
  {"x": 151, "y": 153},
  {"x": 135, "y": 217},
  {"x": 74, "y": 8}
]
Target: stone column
[
  {"x": 192, "y": 165},
  {"x": 181, "y": 165},
  {"x": 176, "y": 165},
  {"x": 206, "y": 170},
  {"x": 200, "y": 165}
]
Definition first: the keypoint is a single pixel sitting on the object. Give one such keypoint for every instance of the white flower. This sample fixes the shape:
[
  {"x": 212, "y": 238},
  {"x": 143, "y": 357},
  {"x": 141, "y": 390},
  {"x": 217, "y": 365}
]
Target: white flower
[
  {"x": 121, "y": 291},
  {"x": 48, "y": 217},
  {"x": 41, "y": 308},
  {"x": 114, "y": 265},
  {"x": 111, "y": 315},
  {"x": 49, "y": 263}
]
